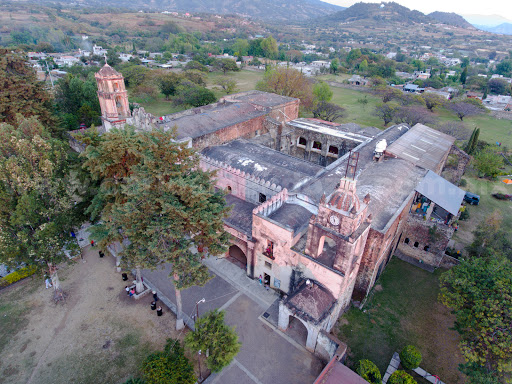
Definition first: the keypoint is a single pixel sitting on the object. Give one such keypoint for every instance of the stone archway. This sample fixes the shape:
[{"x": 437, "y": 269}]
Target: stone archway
[
  {"x": 297, "y": 330},
  {"x": 237, "y": 256}
]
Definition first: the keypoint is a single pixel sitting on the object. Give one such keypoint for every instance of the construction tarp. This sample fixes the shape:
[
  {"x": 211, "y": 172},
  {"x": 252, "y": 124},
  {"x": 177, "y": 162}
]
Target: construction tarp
[
  {"x": 507, "y": 181},
  {"x": 441, "y": 192}
]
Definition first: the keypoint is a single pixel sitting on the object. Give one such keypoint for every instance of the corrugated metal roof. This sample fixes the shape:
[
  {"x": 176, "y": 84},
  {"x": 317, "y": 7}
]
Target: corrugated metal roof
[
  {"x": 422, "y": 146},
  {"x": 441, "y": 192}
]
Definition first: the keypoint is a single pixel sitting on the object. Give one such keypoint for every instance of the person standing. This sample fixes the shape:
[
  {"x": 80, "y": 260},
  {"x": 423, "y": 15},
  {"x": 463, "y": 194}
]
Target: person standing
[
  {"x": 159, "y": 311},
  {"x": 48, "y": 282}
]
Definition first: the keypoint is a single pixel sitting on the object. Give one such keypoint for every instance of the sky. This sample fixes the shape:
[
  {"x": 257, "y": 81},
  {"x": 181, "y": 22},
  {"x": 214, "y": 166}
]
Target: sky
[{"x": 462, "y": 7}]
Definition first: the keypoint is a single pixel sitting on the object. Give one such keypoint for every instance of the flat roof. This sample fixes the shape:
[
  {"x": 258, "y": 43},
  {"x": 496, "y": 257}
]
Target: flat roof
[
  {"x": 200, "y": 121},
  {"x": 264, "y": 99},
  {"x": 292, "y": 216},
  {"x": 276, "y": 167},
  {"x": 422, "y": 146},
  {"x": 441, "y": 191},
  {"x": 240, "y": 216}
]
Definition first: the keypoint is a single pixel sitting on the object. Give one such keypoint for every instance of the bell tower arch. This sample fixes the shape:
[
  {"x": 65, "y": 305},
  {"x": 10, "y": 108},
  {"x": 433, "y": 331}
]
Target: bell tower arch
[{"x": 113, "y": 97}]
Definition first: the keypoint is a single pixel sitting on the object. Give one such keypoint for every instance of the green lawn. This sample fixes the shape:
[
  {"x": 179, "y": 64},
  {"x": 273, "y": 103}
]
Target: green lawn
[
  {"x": 488, "y": 204},
  {"x": 403, "y": 309},
  {"x": 159, "y": 106},
  {"x": 245, "y": 80}
]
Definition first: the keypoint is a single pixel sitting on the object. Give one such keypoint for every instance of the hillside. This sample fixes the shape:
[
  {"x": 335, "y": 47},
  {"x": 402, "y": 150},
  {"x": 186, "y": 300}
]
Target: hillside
[
  {"x": 504, "y": 29},
  {"x": 269, "y": 10},
  {"x": 380, "y": 13},
  {"x": 450, "y": 18}
]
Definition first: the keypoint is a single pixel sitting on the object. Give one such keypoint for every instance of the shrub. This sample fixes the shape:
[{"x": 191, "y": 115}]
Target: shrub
[
  {"x": 464, "y": 215},
  {"x": 401, "y": 377},
  {"x": 463, "y": 183},
  {"x": 410, "y": 357},
  {"x": 368, "y": 371},
  {"x": 17, "y": 276},
  {"x": 168, "y": 367}
]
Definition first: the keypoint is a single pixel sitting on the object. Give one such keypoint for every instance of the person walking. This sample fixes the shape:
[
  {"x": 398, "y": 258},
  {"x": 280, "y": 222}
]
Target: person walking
[{"x": 159, "y": 311}]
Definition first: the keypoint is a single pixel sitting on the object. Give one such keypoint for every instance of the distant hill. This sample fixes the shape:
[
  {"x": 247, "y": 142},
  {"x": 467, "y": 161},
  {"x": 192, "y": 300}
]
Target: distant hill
[
  {"x": 486, "y": 20},
  {"x": 268, "y": 10},
  {"x": 505, "y": 28},
  {"x": 381, "y": 13},
  {"x": 450, "y": 19}
]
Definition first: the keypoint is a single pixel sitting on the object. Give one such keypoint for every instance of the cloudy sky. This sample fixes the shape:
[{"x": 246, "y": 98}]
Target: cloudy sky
[{"x": 463, "y": 7}]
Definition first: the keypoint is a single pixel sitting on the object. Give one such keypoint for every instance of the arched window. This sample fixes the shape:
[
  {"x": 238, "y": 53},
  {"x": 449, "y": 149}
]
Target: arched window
[
  {"x": 302, "y": 141},
  {"x": 229, "y": 189},
  {"x": 416, "y": 244},
  {"x": 406, "y": 241},
  {"x": 317, "y": 145},
  {"x": 333, "y": 149}
]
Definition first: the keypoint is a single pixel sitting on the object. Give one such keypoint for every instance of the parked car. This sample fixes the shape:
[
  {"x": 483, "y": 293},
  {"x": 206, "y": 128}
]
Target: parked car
[{"x": 471, "y": 198}]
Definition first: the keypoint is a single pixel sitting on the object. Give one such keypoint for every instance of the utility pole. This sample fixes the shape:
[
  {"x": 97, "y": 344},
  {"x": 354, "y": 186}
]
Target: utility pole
[{"x": 199, "y": 353}]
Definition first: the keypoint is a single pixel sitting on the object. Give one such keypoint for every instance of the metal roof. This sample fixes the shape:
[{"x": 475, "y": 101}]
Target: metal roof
[
  {"x": 441, "y": 192},
  {"x": 422, "y": 146}
]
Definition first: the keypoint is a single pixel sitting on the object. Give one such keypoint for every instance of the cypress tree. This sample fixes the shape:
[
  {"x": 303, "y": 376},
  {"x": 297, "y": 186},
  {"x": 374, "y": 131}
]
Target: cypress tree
[
  {"x": 470, "y": 141},
  {"x": 475, "y": 141}
]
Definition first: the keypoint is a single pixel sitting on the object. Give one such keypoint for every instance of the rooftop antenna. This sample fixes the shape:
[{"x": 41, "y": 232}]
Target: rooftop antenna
[{"x": 353, "y": 159}]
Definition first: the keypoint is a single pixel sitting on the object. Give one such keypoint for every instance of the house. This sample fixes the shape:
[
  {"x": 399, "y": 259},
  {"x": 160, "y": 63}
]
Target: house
[
  {"x": 413, "y": 88},
  {"x": 98, "y": 50},
  {"x": 358, "y": 80}
]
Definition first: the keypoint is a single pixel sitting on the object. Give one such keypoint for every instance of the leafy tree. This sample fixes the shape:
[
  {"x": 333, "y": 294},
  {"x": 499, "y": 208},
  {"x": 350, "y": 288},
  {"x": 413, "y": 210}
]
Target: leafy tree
[
  {"x": 454, "y": 128},
  {"x": 335, "y": 64},
  {"x": 328, "y": 111},
  {"x": 21, "y": 92},
  {"x": 37, "y": 204},
  {"x": 432, "y": 100},
  {"x": 155, "y": 195},
  {"x": 473, "y": 140},
  {"x": 213, "y": 335},
  {"x": 490, "y": 237},
  {"x": 134, "y": 75},
  {"x": 226, "y": 65},
  {"x": 401, "y": 377},
  {"x": 168, "y": 82},
  {"x": 499, "y": 86},
  {"x": 386, "y": 111},
  {"x": 504, "y": 68},
  {"x": 193, "y": 64},
  {"x": 410, "y": 356},
  {"x": 488, "y": 162},
  {"x": 465, "y": 109},
  {"x": 363, "y": 66},
  {"x": 386, "y": 93},
  {"x": 322, "y": 92},
  {"x": 228, "y": 85},
  {"x": 113, "y": 58},
  {"x": 478, "y": 291},
  {"x": 241, "y": 47},
  {"x": 464, "y": 75},
  {"x": 195, "y": 76},
  {"x": 288, "y": 82},
  {"x": 269, "y": 47},
  {"x": 168, "y": 367},
  {"x": 478, "y": 375},
  {"x": 194, "y": 95},
  {"x": 369, "y": 371}
]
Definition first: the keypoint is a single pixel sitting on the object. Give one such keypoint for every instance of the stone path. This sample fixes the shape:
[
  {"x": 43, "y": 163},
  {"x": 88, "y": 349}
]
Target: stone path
[{"x": 267, "y": 355}]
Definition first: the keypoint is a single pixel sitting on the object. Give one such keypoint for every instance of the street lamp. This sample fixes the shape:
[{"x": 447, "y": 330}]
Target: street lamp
[{"x": 199, "y": 352}]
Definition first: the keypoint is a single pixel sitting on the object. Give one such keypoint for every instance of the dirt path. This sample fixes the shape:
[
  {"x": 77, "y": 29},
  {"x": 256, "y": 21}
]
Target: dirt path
[{"x": 99, "y": 335}]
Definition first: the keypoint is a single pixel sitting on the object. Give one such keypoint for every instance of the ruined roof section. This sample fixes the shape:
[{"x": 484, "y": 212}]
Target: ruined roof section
[
  {"x": 422, "y": 146},
  {"x": 292, "y": 216},
  {"x": 388, "y": 182},
  {"x": 265, "y": 163},
  {"x": 311, "y": 303},
  {"x": 240, "y": 216},
  {"x": 332, "y": 129},
  {"x": 441, "y": 192},
  {"x": 260, "y": 98},
  {"x": 200, "y": 121},
  {"x": 347, "y": 127},
  {"x": 108, "y": 71}
]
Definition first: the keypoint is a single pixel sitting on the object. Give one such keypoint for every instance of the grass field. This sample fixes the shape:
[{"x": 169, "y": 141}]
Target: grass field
[
  {"x": 403, "y": 309},
  {"x": 488, "y": 204}
]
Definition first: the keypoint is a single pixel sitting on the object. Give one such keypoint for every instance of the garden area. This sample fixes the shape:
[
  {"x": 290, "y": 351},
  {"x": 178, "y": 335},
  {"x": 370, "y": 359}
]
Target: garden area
[{"x": 403, "y": 309}]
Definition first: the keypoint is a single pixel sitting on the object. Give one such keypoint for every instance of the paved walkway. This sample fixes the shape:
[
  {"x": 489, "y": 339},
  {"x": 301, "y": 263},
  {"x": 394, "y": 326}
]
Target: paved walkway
[{"x": 267, "y": 356}]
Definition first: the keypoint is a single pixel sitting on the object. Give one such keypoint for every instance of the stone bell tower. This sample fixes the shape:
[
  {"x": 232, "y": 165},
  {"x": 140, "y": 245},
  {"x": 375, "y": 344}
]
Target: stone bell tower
[{"x": 113, "y": 97}]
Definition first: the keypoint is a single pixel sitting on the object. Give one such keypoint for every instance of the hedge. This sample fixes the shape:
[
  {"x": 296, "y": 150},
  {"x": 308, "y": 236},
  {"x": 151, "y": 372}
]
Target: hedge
[
  {"x": 17, "y": 276},
  {"x": 368, "y": 371},
  {"x": 410, "y": 357},
  {"x": 401, "y": 377}
]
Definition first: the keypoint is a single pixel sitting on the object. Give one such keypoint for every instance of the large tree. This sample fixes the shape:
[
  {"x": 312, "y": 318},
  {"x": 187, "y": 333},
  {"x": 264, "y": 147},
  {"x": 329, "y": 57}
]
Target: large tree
[
  {"x": 479, "y": 292},
  {"x": 21, "y": 92},
  {"x": 213, "y": 335},
  {"x": 288, "y": 82},
  {"x": 37, "y": 205},
  {"x": 328, "y": 111},
  {"x": 464, "y": 109},
  {"x": 167, "y": 208}
]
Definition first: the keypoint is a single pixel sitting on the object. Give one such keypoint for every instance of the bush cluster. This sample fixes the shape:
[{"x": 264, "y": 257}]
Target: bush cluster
[
  {"x": 17, "y": 276},
  {"x": 401, "y": 377},
  {"x": 368, "y": 371},
  {"x": 410, "y": 357}
]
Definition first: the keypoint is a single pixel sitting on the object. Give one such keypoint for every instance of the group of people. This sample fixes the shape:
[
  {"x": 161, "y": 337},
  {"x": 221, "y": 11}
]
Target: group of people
[{"x": 131, "y": 292}]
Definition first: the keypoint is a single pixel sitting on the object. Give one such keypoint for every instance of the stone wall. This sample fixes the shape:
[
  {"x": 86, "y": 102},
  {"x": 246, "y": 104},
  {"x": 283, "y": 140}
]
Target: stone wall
[
  {"x": 502, "y": 115},
  {"x": 328, "y": 346},
  {"x": 143, "y": 120}
]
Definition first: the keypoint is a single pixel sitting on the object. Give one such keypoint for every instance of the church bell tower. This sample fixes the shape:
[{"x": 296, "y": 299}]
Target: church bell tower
[{"x": 113, "y": 97}]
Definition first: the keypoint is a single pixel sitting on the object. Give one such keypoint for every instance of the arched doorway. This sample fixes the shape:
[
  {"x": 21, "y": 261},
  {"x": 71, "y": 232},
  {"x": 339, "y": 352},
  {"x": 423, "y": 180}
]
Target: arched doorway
[
  {"x": 297, "y": 330},
  {"x": 237, "y": 256}
]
